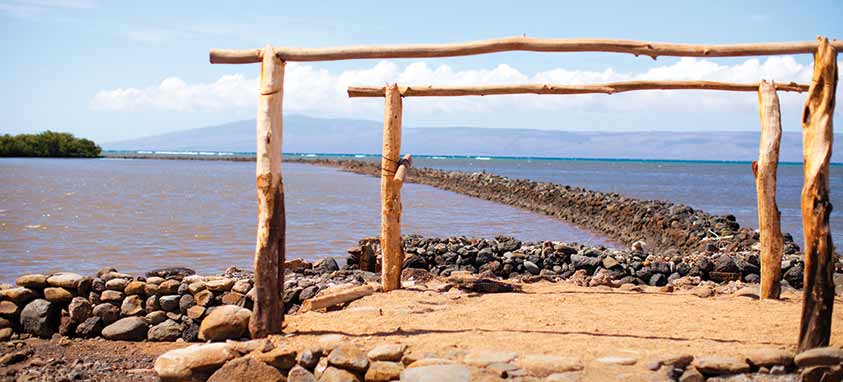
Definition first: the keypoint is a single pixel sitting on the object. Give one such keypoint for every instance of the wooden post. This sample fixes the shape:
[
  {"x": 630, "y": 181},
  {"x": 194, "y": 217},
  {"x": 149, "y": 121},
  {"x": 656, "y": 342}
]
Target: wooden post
[
  {"x": 268, "y": 314},
  {"x": 769, "y": 217},
  {"x": 817, "y": 136},
  {"x": 393, "y": 251}
]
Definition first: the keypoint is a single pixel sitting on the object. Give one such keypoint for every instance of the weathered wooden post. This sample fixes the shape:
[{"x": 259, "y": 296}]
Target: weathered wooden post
[
  {"x": 391, "y": 244},
  {"x": 817, "y": 136},
  {"x": 268, "y": 314},
  {"x": 769, "y": 217}
]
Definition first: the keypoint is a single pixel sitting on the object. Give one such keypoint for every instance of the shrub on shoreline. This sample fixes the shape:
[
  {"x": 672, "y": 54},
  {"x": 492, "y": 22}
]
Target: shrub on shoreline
[{"x": 48, "y": 144}]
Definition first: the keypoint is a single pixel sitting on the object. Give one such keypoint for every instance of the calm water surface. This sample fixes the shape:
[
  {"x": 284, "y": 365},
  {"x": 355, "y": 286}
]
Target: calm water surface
[
  {"x": 81, "y": 215},
  {"x": 717, "y": 188}
]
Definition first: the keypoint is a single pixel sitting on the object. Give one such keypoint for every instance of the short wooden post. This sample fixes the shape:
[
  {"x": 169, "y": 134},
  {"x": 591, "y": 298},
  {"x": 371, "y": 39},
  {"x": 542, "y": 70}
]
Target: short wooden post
[
  {"x": 393, "y": 251},
  {"x": 268, "y": 314},
  {"x": 769, "y": 217},
  {"x": 817, "y": 136}
]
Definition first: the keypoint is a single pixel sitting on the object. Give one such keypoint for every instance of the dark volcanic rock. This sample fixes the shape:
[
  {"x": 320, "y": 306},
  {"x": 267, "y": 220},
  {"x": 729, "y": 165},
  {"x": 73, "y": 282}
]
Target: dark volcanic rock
[
  {"x": 40, "y": 318},
  {"x": 172, "y": 272}
]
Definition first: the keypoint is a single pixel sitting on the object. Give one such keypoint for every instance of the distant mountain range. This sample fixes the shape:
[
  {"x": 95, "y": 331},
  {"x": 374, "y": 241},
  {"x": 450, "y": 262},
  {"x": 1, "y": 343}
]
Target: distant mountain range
[{"x": 303, "y": 134}]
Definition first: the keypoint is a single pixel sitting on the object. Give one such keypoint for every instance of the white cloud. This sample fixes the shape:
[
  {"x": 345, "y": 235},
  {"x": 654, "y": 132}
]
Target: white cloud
[{"x": 314, "y": 90}]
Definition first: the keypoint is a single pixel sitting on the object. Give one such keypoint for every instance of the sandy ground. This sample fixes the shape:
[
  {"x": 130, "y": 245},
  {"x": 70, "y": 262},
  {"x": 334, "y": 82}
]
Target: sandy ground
[
  {"x": 564, "y": 319},
  {"x": 559, "y": 319}
]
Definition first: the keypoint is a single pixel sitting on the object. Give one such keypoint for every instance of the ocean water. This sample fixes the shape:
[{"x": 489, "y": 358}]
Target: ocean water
[
  {"x": 81, "y": 215},
  {"x": 84, "y": 214}
]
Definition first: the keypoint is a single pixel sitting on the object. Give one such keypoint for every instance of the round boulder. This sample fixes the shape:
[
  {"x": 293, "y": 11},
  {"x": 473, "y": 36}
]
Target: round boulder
[
  {"x": 40, "y": 318},
  {"x": 126, "y": 329},
  {"x": 225, "y": 322}
]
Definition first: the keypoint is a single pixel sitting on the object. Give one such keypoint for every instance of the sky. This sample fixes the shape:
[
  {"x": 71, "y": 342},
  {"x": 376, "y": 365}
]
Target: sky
[{"x": 118, "y": 70}]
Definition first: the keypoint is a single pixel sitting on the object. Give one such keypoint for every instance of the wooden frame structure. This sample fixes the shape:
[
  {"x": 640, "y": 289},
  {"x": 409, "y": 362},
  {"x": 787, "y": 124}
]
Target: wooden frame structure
[{"x": 818, "y": 291}]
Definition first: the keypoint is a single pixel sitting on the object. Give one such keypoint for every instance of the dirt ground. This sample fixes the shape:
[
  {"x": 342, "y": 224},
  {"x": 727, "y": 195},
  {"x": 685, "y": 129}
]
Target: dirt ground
[{"x": 558, "y": 319}]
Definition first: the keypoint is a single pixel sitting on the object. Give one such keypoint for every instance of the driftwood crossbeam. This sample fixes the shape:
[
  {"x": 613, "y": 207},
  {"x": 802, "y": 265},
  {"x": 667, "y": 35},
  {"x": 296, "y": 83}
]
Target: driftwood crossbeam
[
  {"x": 518, "y": 43},
  {"x": 607, "y": 88},
  {"x": 817, "y": 127}
]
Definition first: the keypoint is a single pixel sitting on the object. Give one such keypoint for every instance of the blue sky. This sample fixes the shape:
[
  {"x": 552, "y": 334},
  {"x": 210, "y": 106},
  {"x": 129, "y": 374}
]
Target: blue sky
[{"x": 116, "y": 70}]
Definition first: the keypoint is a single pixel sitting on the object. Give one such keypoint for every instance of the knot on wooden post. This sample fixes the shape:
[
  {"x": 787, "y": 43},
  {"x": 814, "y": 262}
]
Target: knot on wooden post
[{"x": 403, "y": 165}]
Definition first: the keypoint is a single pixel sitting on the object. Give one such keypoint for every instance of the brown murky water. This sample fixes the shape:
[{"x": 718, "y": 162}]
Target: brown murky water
[{"x": 80, "y": 215}]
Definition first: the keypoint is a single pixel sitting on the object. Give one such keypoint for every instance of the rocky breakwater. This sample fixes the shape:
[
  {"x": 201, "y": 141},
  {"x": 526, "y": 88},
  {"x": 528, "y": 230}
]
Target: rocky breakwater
[
  {"x": 509, "y": 258},
  {"x": 667, "y": 228},
  {"x": 164, "y": 305}
]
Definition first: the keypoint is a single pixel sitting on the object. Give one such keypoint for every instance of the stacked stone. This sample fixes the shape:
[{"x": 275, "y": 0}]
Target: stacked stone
[
  {"x": 333, "y": 359},
  {"x": 165, "y": 305},
  {"x": 667, "y": 228},
  {"x": 118, "y": 306},
  {"x": 509, "y": 258}
]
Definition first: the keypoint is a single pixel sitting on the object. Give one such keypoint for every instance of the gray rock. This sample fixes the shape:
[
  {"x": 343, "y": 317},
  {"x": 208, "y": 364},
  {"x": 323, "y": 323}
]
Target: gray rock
[
  {"x": 532, "y": 267},
  {"x": 168, "y": 330},
  {"x": 126, "y": 329},
  {"x": 437, "y": 373},
  {"x": 90, "y": 328},
  {"x": 169, "y": 303},
  {"x": 326, "y": 265},
  {"x": 156, "y": 317},
  {"x": 186, "y": 302},
  {"x": 108, "y": 312},
  {"x": 79, "y": 310},
  {"x": 308, "y": 358},
  {"x": 40, "y": 318}
]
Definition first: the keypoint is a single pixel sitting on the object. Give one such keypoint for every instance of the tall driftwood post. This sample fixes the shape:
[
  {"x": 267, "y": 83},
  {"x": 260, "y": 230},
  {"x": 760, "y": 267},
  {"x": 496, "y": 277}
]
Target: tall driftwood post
[
  {"x": 268, "y": 314},
  {"x": 393, "y": 251},
  {"x": 769, "y": 217},
  {"x": 817, "y": 136}
]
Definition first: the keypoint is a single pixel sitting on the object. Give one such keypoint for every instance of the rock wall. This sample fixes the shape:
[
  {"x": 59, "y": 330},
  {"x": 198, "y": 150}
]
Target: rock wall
[{"x": 665, "y": 227}]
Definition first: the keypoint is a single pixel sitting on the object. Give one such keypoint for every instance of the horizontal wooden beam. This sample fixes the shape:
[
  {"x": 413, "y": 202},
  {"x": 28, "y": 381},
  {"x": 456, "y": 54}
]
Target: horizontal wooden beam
[
  {"x": 519, "y": 43},
  {"x": 607, "y": 88}
]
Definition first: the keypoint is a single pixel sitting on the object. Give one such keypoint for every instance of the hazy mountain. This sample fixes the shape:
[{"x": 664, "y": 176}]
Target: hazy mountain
[{"x": 304, "y": 134}]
